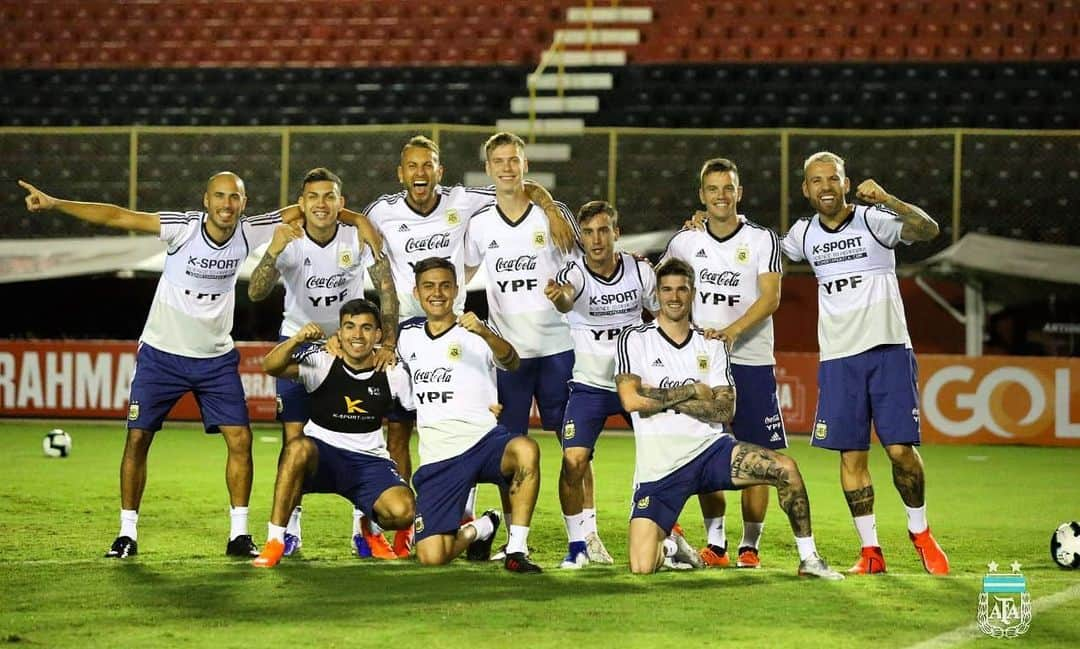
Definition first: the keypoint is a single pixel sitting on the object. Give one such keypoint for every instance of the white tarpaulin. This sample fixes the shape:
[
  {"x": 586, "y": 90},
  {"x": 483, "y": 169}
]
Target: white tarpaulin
[{"x": 983, "y": 254}]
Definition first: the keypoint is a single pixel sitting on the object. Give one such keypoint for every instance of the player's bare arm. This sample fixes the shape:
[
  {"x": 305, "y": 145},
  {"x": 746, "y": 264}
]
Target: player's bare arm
[
  {"x": 918, "y": 225},
  {"x": 717, "y": 409},
  {"x": 647, "y": 400},
  {"x": 696, "y": 221},
  {"x": 381, "y": 277},
  {"x": 561, "y": 295},
  {"x": 505, "y": 354},
  {"x": 266, "y": 275},
  {"x": 368, "y": 232},
  {"x": 562, "y": 234},
  {"x": 106, "y": 214},
  {"x": 763, "y": 307},
  {"x": 279, "y": 360}
]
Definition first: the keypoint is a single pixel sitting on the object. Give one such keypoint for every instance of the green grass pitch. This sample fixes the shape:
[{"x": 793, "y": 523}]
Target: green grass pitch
[{"x": 58, "y": 516}]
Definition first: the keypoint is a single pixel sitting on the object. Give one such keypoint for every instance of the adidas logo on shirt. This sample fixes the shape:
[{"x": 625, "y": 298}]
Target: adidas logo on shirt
[
  {"x": 307, "y": 261},
  {"x": 775, "y": 437},
  {"x": 701, "y": 253},
  {"x": 658, "y": 363},
  {"x": 403, "y": 228},
  {"x": 494, "y": 244}
]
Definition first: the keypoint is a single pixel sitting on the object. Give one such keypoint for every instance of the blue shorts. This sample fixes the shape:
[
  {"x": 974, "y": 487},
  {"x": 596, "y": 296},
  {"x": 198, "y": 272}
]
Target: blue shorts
[
  {"x": 661, "y": 501},
  {"x": 359, "y": 477},
  {"x": 161, "y": 379},
  {"x": 443, "y": 487},
  {"x": 586, "y": 412},
  {"x": 293, "y": 400},
  {"x": 757, "y": 409},
  {"x": 546, "y": 377},
  {"x": 878, "y": 385}
]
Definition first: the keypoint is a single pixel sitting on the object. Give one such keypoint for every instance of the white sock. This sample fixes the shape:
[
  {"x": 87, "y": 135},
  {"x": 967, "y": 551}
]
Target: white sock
[
  {"x": 866, "y": 526},
  {"x": 483, "y": 526},
  {"x": 519, "y": 539},
  {"x": 590, "y": 520},
  {"x": 576, "y": 524},
  {"x": 238, "y": 519},
  {"x": 751, "y": 534},
  {"x": 470, "y": 504},
  {"x": 806, "y": 547},
  {"x": 916, "y": 519},
  {"x": 275, "y": 532},
  {"x": 373, "y": 526},
  {"x": 294, "y": 521},
  {"x": 356, "y": 516},
  {"x": 670, "y": 548},
  {"x": 714, "y": 531},
  {"x": 129, "y": 518}
]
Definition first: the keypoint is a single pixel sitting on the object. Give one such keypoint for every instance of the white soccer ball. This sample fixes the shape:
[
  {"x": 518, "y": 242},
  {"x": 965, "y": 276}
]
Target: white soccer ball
[
  {"x": 1065, "y": 545},
  {"x": 56, "y": 443}
]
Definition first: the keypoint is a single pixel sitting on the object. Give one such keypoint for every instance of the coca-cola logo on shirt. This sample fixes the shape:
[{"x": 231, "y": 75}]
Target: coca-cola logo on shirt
[
  {"x": 726, "y": 278},
  {"x": 668, "y": 382},
  {"x": 512, "y": 264},
  {"x": 434, "y": 242},
  {"x": 332, "y": 281},
  {"x": 437, "y": 375}
]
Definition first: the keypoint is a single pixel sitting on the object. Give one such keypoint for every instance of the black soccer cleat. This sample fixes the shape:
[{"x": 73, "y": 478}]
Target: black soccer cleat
[
  {"x": 481, "y": 550},
  {"x": 242, "y": 546},
  {"x": 122, "y": 548},
  {"x": 518, "y": 562}
]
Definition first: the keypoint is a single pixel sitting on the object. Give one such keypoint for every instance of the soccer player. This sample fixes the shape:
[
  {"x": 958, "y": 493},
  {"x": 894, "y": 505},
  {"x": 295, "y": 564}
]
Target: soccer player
[
  {"x": 737, "y": 266},
  {"x": 602, "y": 294},
  {"x": 186, "y": 344},
  {"x": 341, "y": 449},
  {"x": 451, "y": 363},
  {"x": 677, "y": 386},
  {"x": 323, "y": 263},
  {"x": 428, "y": 219},
  {"x": 867, "y": 370}
]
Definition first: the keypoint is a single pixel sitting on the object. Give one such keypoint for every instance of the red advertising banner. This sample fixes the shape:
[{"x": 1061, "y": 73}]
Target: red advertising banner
[{"x": 986, "y": 400}]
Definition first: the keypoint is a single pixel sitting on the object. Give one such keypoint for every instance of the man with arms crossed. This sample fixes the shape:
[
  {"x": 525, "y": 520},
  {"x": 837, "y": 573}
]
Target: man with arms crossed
[
  {"x": 867, "y": 371},
  {"x": 677, "y": 386}
]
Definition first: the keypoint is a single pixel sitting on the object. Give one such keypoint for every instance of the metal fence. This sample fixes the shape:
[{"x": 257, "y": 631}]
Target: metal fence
[{"x": 1021, "y": 184}]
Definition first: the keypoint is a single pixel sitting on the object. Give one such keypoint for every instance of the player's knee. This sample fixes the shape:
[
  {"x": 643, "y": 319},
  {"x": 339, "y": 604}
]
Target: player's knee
[
  {"x": 138, "y": 441},
  {"x": 297, "y": 451},
  {"x": 431, "y": 553},
  {"x": 396, "y": 513},
  {"x": 790, "y": 470},
  {"x": 642, "y": 565},
  {"x": 525, "y": 451},
  {"x": 902, "y": 454},
  {"x": 575, "y": 466}
]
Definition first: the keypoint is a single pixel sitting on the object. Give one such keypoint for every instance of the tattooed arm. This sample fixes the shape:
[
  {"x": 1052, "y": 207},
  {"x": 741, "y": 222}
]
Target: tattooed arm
[
  {"x": 918, "y": 225},
  {"x": 719, "y": 408},
  {"x": 265, "y": 276},
  {"x": 647, "y": 400},
  {"x": 383, "y": 280}
]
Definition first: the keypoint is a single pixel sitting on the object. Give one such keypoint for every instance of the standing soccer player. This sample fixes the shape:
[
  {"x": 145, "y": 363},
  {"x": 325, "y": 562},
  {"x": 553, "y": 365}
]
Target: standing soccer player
[
  {"x": 323, "y": 263},
  {"x": 867, "y": 371},
  {"x": 451, "y": 362},
  {"x": 186, "y": 344},
  {"x": 602, "y": 294},
  {"x": 341, "y": 448},
  {"x": 737, "y": 265},
  {"x": 677, "y": 386},
  {"x": 427, "y": 219}
]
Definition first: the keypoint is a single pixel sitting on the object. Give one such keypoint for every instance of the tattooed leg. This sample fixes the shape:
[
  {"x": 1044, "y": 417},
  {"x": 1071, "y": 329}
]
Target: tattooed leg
[
  {"x": 856, "y": 482},
  {"x": 521, "y": 463},
  {"x": 753, "y": 465},
  {"x": 908, "y": 474}
]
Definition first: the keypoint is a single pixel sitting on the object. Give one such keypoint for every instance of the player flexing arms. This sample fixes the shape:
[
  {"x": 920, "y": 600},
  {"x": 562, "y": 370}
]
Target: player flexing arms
[
  {"x": 323, "y": 263},
  {"x": 451, "y": 363},
  {"x": 737, "y": 265},
  {"x": 427, "y": 219},
  {"x": 677, "y": 387},
  {"x": 341, "y": 449},
  {"x": 602, "y": 295},
  {"x": 185, "y": 345},
  {"x": 867, "y": 370}
]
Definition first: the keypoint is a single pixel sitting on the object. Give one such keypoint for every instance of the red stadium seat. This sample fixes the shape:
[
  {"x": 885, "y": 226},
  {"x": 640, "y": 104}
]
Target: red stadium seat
[
  {"x": 1016, "y": 49},
  {"x": 920, "y": 50},
  {"x": 855, "y": 50},
  {"x": 986, "y": 50},
  {"x": 732, "y": 50},
  {"x": 1052, "y": 49}
]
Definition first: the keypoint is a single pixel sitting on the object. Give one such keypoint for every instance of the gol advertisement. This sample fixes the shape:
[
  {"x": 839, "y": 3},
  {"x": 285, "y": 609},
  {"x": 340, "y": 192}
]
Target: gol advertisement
[{"x": 986, "y": 400}]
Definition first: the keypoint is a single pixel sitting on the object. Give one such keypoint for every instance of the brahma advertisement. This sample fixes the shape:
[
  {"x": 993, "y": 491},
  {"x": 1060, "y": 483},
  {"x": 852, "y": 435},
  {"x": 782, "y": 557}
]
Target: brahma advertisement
[{"x": 986, "y": 400}]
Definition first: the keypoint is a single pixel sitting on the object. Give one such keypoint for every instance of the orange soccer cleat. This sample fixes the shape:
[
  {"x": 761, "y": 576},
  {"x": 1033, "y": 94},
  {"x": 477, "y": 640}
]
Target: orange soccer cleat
[
  {"x": 748, "y": 558},
  {"x": 871, "y": 562},
  {"x": 714, "y": 557},
  {"x": 271, "y": 554},
  {"x": 371, "y": 544},
  {"x": 933, "y": 557},
  {"x": 403, "y": 542}
]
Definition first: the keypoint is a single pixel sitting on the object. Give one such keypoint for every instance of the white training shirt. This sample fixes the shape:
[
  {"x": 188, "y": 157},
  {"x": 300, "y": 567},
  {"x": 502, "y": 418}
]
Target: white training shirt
[
  {"x": 859, "y": 303},
  {"x": 192, "y": 311},
  {"x": 726, "y": 282},
  {"x": 519, "y": 258},
  {"x": 667, "y": 441},
  {"x": 452, "y": 381},
  {"x": 314, "y": 368},
  {"x": 319, "y": 278},
  {"x": 603, "y": 307},
  {"x": 411, "y": 236}
]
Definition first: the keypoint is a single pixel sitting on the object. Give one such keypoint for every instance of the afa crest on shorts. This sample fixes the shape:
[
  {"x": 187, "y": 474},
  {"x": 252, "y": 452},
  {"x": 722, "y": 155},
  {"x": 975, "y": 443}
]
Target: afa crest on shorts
[
  {"x": 642, "y": 503},
  {"x": 418, "y": 524},
  {"x": 133, "y": 411},
  {"x": 1004, "y": 603},
  {"x": 569, "y": 430}
]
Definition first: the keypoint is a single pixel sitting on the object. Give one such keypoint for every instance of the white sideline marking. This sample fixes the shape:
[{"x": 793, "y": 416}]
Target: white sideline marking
[
  {"x": 971, "y": 631},
  {"x": 268, "y": 439}
]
